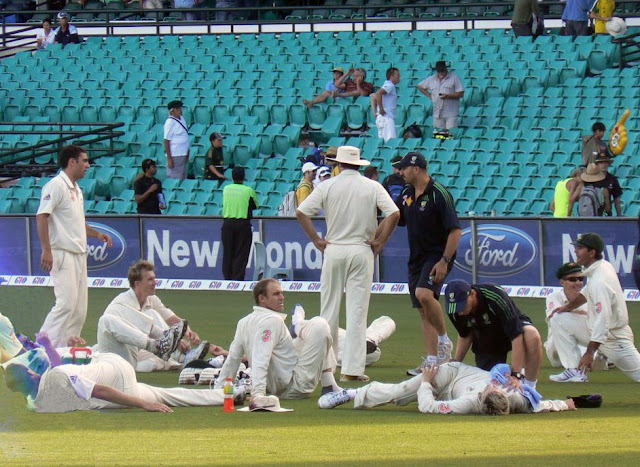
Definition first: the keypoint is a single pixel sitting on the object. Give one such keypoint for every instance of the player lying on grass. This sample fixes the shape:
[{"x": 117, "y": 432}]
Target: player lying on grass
[
  {"x": 451, "y": 388},
  {"x": 280, "y": 365},
  {"x": 108, "y": 382},
  {"x": 136, "y": 323}
]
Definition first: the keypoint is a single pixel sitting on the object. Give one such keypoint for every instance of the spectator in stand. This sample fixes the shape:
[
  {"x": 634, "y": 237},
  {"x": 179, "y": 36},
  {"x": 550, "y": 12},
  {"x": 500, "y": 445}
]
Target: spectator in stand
[
  {"x": 372, "y": 173},
  {"x": 176, "y": 142},
  {"x": 576, "y": 17},
  {"x": 522, "y": 19},
  {"x": 185, "y": 4},
  {"x": 593, "y": 145},
  {"x": 324, "y": 173},
  {"x": 214, "y": 160},
  {"x": 333, "y": 87},
  {"x": 599, "y": 202},
  {"x": 330, "y": 155},
  {"x": 394, "y": 183},
  {"x": 354, "y": 84},
  {"x": 601, "y": 13},
  {"x": 46, "y": 36},
  {"x": 383, "y": 105},
  {"x": 445, "y": 90},
  {"x": 148, "y": 4},
  {"x": 610, "y": 182},
  {"x": 306, "y": 184},
  {"x": 566, "y": 194},
  {"x": 226, "y": 15},
  {"x": 238, "y": 203},
  {"x": 148, "y": 190},
  {"x": 66, "y": 33}
]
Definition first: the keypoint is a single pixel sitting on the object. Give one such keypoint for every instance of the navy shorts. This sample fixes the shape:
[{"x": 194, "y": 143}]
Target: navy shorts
[{"x": 421, "y": 279}]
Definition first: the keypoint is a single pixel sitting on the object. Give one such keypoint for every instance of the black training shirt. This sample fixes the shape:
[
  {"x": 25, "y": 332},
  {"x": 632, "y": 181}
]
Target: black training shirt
[{"x": 151, "y": 205}]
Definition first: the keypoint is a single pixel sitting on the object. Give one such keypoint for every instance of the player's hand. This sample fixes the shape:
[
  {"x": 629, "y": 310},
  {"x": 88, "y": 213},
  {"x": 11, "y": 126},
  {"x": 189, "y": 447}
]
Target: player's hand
[
  {"x": 560, "y": 309},
  {"x": 42, "y": 338},
  {"x": 571, "y": 404},
  {"x": 439, "y": 271},
  {"x": 156, "y": 407},
  {"x": 184, "y": 346},
  {"x": 105, "y": 238},
  {"x": 46, "y": 261},
  {"x": 586, "y": 362},
  {"x": 513, "y": 383},
  {"x": 216, "y": 350},
  {"x": 76, "y": 341},
  {"x": 376, "y": 246},
  {"x": 320, "y": 244},
  {"x": 429, "y": 373},
  {"x": 193, "y": 337}
]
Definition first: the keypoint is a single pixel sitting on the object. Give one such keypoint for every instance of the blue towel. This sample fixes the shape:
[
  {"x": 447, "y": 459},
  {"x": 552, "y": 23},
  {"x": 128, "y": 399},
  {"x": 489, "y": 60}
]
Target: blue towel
[{"x": 498, "y": 374}]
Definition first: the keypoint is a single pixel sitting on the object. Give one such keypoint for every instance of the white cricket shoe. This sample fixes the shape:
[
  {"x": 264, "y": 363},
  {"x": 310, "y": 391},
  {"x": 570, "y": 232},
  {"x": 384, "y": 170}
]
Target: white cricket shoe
[
  {"x": 444, "y": 352},
  {"x": 570, "y": 375},
  {"x": 197, "y": 353},
  {"x": 333, "y": 399}
]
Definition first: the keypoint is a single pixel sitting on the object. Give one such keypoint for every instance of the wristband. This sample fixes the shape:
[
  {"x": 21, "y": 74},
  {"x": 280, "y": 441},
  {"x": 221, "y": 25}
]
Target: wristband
[{"x": 517, "y": 375}]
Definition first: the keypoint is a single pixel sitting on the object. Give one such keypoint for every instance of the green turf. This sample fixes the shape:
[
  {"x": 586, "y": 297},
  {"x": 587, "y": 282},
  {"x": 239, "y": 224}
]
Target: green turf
[{"x": 383, "y": 436}]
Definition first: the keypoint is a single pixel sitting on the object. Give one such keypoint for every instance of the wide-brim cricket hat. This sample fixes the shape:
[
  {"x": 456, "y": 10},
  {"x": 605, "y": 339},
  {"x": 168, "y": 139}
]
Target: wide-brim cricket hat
[
  {"x": 455, "y": 296},
  {"x": 616, "y": 26},
  {"x": 265, "y": 404},
  {"x": 593, "y": 174},
  {"x": 349, "y": 155}
]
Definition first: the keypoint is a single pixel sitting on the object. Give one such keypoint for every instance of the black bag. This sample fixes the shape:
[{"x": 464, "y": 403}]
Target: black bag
[{"x": 412, "y": 131}]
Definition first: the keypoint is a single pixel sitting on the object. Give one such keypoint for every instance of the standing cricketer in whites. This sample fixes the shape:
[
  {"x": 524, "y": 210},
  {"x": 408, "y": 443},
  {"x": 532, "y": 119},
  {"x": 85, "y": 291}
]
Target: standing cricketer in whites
[
  {"x": 281, "y": 366},
  {"x": 607, "y": 317},
  {"x": 63, "y": 235},
  {"x": 350, "y": 203}
]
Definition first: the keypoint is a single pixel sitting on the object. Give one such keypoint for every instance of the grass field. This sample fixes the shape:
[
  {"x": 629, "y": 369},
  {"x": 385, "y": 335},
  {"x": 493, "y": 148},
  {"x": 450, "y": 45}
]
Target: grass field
[{"x": 384, "y": 436}]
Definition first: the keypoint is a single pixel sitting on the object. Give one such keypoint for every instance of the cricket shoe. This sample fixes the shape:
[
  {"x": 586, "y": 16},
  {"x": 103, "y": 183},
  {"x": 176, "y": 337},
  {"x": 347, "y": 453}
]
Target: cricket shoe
[
  {"x": 170, "y": 340},
  {"x": 444, "y": 352},
  {"x": 196, "y": 354},
  {"x": 361, "y": 378},
  {"x": 418, "y": 370},
  {"x": 333, "y": 399},
  {"x": 218, "y": 361},
  {"x": 570, "y": 375},
  {"x": 297, "y": 315}
]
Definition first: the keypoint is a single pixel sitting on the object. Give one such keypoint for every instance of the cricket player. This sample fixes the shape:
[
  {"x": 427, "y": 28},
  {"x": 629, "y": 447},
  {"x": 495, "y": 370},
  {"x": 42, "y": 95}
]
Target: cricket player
[
  {"x": 350, "y": 202},
  {"x": 137, "y": 326},
  {"x": 608, "y": 318},
  {"x": 451, "y": 388},
  {"x": 108, "y": 382},
  {"x": 63, "y": 233},
  {"x": 281, "y": 366}
]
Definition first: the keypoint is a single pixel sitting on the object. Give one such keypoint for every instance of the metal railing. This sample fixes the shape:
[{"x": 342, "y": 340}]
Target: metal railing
[
  {"x": 629, "y": 50},
  {"x": 16, "y": 162}
]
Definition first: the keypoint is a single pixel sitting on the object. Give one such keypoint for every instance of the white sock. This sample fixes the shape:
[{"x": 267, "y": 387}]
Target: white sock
[
  {"x": 151, "y": 345},
  {"x": 327, "y": 379},
  {"x": 156, "y": 332},
  {"x": 443, "y": 338},
  {"x": 530, "y": 383}
]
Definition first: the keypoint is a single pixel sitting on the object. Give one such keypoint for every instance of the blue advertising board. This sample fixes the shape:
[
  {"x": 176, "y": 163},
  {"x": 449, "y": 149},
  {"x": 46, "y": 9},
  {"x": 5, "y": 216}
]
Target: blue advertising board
[
  {"x": 102, "y": 261},
  {"x": 14, "y": 247}
]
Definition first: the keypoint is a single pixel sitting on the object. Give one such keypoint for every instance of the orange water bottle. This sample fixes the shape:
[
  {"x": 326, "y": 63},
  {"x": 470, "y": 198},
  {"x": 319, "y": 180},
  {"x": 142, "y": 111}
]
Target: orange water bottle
[{"x": 228, "y": 395}]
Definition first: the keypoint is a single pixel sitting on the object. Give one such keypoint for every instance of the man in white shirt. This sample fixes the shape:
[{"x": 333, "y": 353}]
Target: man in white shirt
[
  {"x": 137, "y": 326},
  {"x": 453, "y": 388},
  {"x": 63, "y": 232},
  {"x": 46, "y": 36},
  {"x": 383, "y": 105},
  {"x": 350, "y": 203},
  {"x": 608, "y": 318},
  {"x": 108, "y": 382},
  {"x": 445, "y": 90},
  {"x": 280, "y": 365},
  {"x": 176, "y": 142}
]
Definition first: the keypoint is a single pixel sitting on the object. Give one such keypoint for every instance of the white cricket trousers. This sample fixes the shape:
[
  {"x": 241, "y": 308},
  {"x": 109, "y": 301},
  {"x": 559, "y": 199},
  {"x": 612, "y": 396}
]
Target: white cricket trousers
[
  {"x": 378, "y": 331},
  {"x": 386, "y": 127},
  {"x": 375, "y": 394},
  {"x": 621, "y": 350},
  {"x": 347, "y": 269},
  {"x": 124, "y": 331},
  {"x": 69, "y": 277},
  {"x": 314, "y": 348},
  {"x": 569, "y": 337}
]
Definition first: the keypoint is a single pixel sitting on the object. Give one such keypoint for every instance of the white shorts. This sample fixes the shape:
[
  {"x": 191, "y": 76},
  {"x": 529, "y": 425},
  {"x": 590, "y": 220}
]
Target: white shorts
[
  {"x": 445, "y": 123},
  {"x": 386, "y": 127}
]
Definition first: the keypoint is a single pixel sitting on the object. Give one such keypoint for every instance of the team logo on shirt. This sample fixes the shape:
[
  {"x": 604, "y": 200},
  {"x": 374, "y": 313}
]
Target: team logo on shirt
[
  {"x": 266, "y": 336},
  {"x": 444, "y": 408},
  {"x": 423, "y": 204},
  {"x": 599, "y": 307},
  {"x": 46, "y": 198},
  {"x": 73, "y": 379},
  {"x": 407, "y": 201},
  {"x": 486, "y": 319}
]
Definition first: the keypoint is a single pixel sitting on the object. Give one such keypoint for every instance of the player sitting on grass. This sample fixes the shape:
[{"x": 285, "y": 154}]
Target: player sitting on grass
[
  {"x": 137, "y": 326},
  {"x": 280, "y": 365},
  {"x": 451, "y": 388},
  {"x": 108, "y": 382}
]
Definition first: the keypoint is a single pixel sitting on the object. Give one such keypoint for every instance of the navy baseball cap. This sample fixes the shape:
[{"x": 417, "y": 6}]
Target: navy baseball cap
[
  {"x": 455, "y": 296},
  {"x": 412, "y": 159},
  {"x": 590, "y": 240}
]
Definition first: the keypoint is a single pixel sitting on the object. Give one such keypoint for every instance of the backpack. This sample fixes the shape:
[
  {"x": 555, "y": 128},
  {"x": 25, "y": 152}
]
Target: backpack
[
  {"x": 412, "y": 131},
  {"x": 591, "y": 201},
  {"x": 288, "y": 206}
]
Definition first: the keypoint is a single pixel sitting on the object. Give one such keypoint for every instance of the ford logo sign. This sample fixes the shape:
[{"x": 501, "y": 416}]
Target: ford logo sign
[
  {"x": 502, "y": 250},
  {"x": 98, "y": 255}
]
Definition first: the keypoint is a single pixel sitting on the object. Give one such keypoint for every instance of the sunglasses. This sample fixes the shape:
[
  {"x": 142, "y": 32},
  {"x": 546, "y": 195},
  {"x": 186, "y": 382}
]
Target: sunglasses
[{"x": 575, "y": 279}]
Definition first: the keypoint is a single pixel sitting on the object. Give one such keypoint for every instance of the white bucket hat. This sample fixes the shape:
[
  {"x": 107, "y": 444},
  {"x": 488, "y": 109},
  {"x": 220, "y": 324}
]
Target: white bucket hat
[
  {"x": 349, "y": 155},
  {"x": 265, "y": 404},
  {"x": 616, "y": 26}
]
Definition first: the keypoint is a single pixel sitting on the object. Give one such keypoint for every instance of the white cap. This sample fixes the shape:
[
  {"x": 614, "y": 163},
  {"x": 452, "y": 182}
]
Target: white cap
[{"x": 308, "y": 167}]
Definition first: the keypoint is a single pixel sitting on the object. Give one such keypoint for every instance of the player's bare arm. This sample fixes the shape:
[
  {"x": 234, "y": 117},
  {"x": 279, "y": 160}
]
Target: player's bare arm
[
  {"x": 46, "y": 258},
  {"x": 439, "y": 270},
  {"x": 586, "y": 361},
  {"x": 305, "y": 221},
  {"x": 462, "y": 347},
  {"x": 103, "y": 237},
  {"x": 572, "y": 305}
]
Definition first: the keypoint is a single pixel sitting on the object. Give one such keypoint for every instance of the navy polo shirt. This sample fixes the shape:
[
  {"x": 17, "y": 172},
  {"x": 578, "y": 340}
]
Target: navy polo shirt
[{"x": 428, "y": 219}]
